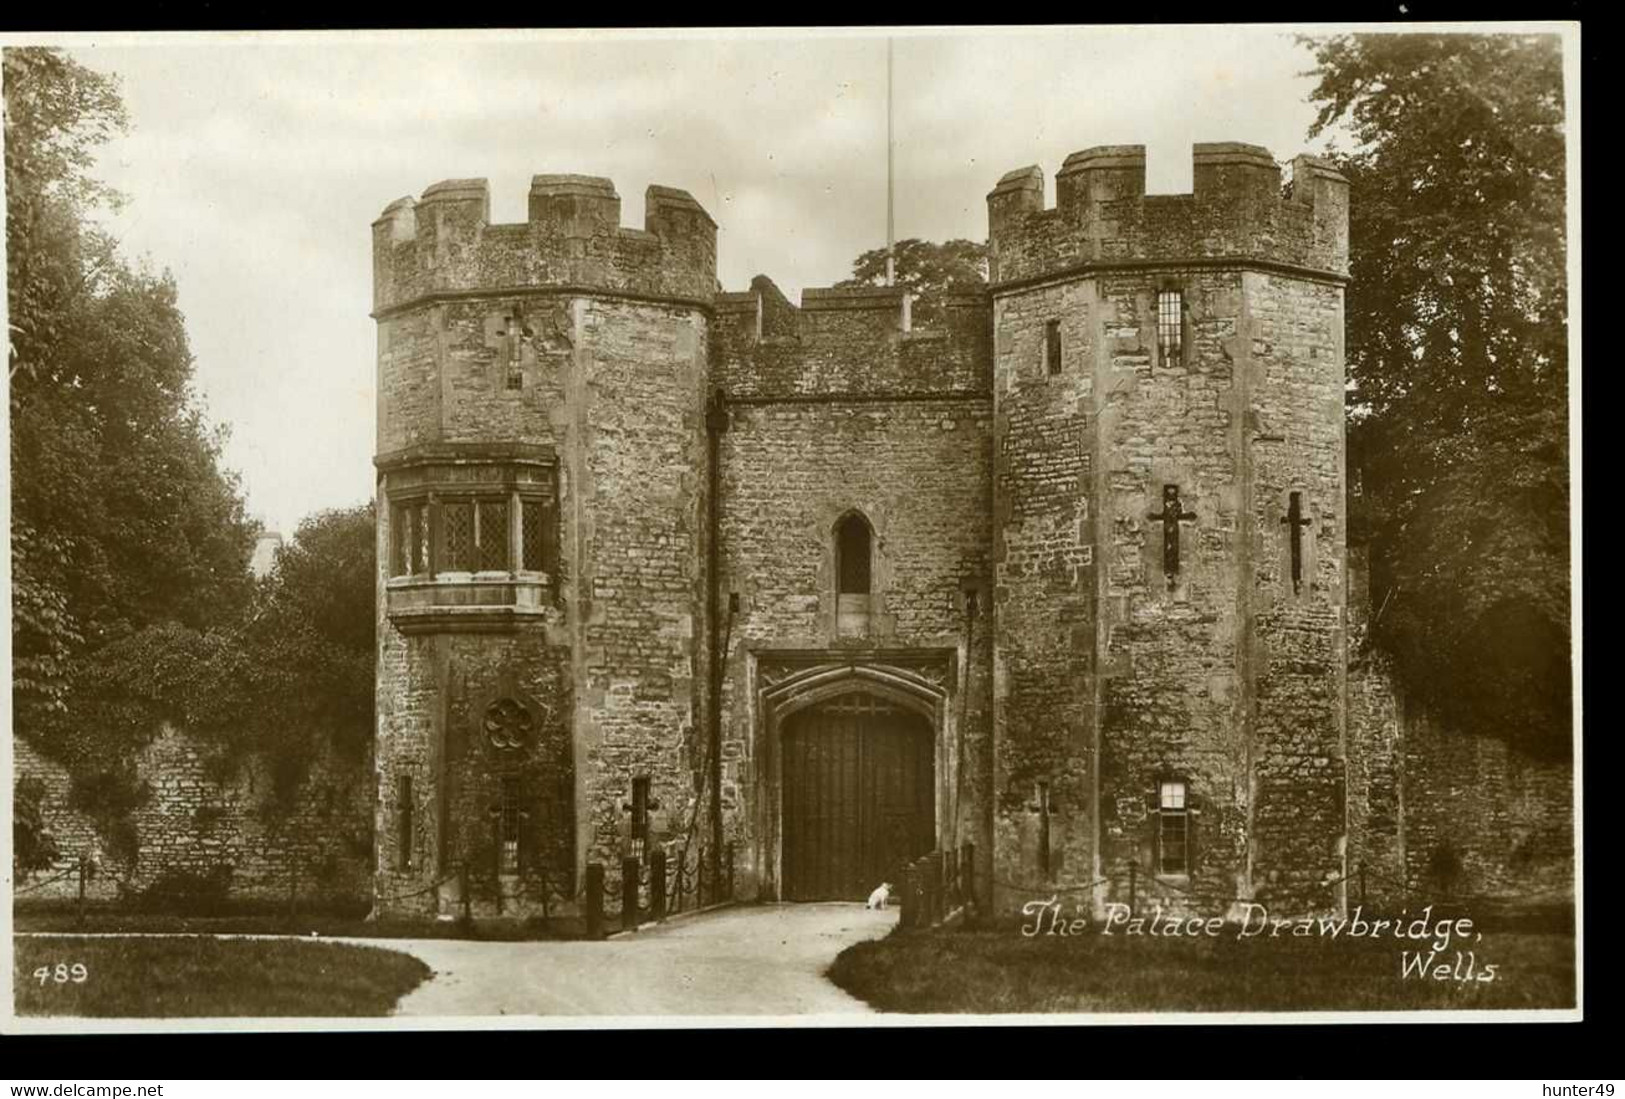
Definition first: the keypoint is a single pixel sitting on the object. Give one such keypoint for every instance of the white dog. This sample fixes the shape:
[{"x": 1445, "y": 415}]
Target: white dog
[{"x": 880, "y": 896}]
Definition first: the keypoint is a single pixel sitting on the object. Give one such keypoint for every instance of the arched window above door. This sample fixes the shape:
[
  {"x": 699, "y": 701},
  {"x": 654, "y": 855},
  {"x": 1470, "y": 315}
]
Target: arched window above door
[
  {"x": 854, "y": 572},
  {"x": 853, "y": 554}
]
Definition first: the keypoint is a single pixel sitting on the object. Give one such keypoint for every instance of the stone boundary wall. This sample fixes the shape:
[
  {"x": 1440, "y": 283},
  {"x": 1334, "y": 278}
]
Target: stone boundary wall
[
  {"x": 193, "y": 824},
  {"x": 1436, "y": 812},
  {"x": 1452, "y": 814}
]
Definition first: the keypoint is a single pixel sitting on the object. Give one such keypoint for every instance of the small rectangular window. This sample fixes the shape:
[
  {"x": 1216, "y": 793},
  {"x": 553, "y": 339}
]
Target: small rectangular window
[
  {"x": 403, "y": 810},
  {"x": 1173, "y": 831},
  {"x": 1171, "y": 327},
  {"x": 1052, "y": 346}
]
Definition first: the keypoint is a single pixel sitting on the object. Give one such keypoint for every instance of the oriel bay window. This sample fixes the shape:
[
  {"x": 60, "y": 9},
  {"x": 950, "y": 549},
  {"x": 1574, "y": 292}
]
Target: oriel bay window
[
  {"x": 473, "y": 536},
  {"x": 440, "y": 533}
]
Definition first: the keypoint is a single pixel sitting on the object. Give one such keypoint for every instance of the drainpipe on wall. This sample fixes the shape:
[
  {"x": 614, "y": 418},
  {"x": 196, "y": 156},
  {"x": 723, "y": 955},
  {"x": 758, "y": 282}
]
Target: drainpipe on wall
[
  {"x": 716, "y": 422},
  {"x": 960, "y": 762}
]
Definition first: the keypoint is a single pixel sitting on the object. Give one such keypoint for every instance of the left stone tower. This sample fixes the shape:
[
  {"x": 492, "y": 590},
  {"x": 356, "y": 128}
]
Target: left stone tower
[{"x": 541, "y": 476}]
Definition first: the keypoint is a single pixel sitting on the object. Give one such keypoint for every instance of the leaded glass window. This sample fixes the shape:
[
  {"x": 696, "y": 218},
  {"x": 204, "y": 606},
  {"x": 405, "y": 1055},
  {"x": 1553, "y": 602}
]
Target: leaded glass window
[
  {"x": 404, "y": 542},
  {"x": 458, "y": 520},
  {"x": 533, "y": 522},
  {"x": 492, "y": 535},
  {"x": 410, "y": 555},
  {"x": 1171, "y": 326}
]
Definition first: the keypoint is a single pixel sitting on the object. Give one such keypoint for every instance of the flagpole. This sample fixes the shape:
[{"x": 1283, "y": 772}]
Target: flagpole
[{"x": 891, "y": 259}]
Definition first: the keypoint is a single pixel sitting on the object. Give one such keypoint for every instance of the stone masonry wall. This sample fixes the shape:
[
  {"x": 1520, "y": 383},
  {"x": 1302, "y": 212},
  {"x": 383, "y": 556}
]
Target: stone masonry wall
[
  {"x": 1113, "y": 675},
  {"x": 199, "y": 823},
  {"x": 1438, "y": 814},
  {"x": 1044, "y": 589},
  {"x": 1237, "y": 210},
  {"x": 1299, "y": 659},
  {"x": 841, "y": 410},
  {"x": 637, "y": 520},
  {"x": 444, "y": 243},
  {"x": 1484, "y": 820},
  {"x": 847, "y": 341},
  {"x": 432, "y": 707},
  {"x": 919, "y": 472},
  {"x": 566, "y": 339},
  {"x": 1173, "y": 689}
]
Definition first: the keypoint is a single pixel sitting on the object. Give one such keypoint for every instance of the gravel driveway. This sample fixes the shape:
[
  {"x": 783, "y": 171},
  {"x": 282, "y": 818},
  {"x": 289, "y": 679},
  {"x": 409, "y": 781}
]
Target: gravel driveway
[{"x": 750, "y": 960}]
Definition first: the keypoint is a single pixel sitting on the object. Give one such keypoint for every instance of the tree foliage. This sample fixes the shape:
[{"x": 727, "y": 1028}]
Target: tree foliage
[
  {"x": 928, "y": 270},
  {"x": 1458, "y": 363},
  {"x": 122, "y": 517},
  {"x": 291, "y": 677},
  {"x": 34, "y": 848},
  {"x": 132, "y": 601},
  {"x": 312, "y": 638}
]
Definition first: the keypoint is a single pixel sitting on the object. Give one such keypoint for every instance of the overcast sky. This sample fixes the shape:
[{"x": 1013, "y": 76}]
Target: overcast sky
[{"x": 255, "y": 166}]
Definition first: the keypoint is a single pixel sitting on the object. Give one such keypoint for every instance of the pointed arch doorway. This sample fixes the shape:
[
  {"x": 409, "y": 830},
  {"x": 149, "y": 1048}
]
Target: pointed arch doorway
[{"x": 859, "y": 781}]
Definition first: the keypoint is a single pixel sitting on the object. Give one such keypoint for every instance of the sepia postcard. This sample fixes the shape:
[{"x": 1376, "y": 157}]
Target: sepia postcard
[{"x": 793, "y": 527}]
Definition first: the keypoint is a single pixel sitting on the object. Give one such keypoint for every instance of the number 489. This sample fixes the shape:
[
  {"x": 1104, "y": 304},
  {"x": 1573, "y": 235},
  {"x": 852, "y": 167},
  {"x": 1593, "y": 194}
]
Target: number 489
[{"x": 62, "y": 973}]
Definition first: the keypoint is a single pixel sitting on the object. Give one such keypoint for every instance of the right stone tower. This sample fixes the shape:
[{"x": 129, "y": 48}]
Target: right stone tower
[{"x": 1170, "y": 539}]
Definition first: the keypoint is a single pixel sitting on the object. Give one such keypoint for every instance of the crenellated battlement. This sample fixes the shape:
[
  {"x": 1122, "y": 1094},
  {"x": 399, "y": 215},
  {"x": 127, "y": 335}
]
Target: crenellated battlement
[
  {"x": 1236, "y": 210},
  {"x": 848, "y": 340},
  {"x": 444, "y": 242}
]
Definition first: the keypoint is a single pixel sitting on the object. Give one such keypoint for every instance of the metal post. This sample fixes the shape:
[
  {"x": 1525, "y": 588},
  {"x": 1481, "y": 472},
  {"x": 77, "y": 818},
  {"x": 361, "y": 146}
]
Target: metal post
[
  {"x": 629, "y": 894},
  {"x": 911, "y": 900},
  {"x": 1133, "y": 871},
  {"x": 929, "y": 880},
  {"x": 657, "y": 884},
  {"x": 938, "y": 892},
  {"x": 595, "y": 900},
  {"x": 462, "y": 890},
  {"x": 496, "y": 865},
  {"x": 728, "y": 854},
  {"x": 967, "y": 863}
]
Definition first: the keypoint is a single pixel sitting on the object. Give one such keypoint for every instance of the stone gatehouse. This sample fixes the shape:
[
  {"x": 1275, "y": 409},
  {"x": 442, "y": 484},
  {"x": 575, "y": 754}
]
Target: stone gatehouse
[{"x": 1065, "y": 576}]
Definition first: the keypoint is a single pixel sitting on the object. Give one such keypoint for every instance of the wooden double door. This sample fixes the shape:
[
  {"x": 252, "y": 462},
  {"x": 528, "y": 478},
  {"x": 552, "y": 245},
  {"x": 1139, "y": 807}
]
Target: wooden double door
[{"x": 859, "y": 797}]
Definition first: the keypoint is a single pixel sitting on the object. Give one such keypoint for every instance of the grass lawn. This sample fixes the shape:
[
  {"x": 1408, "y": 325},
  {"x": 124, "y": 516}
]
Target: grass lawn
[
  {"x": 992, "y": 971},
  {"x": 153, "y": 978},
  {"x": 107, "y": 921}
]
